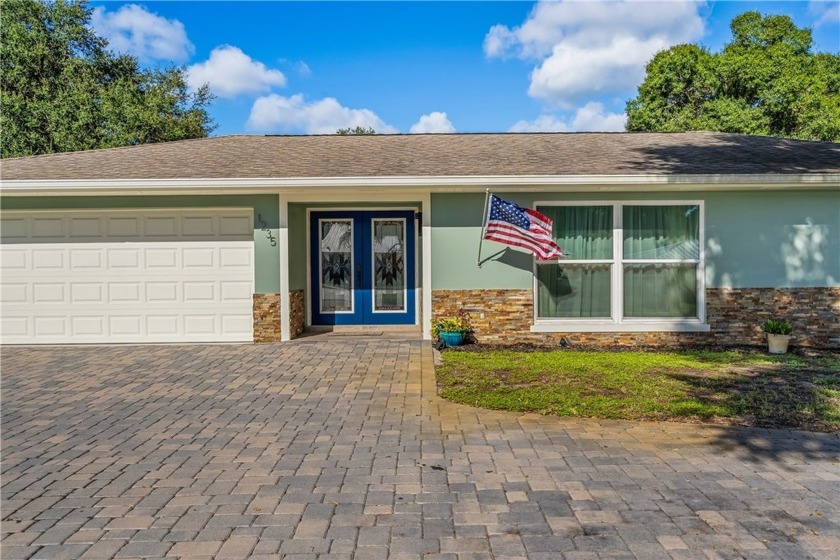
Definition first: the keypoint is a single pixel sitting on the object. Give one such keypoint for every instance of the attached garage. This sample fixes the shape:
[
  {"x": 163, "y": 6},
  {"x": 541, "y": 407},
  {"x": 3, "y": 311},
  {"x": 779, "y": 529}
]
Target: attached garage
[{"x": 97, "y": 276}]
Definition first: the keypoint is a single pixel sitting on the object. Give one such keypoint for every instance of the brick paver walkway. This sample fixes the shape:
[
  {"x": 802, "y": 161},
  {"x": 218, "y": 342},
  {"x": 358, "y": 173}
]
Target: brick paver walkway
[{"x": 340, "y": 449}]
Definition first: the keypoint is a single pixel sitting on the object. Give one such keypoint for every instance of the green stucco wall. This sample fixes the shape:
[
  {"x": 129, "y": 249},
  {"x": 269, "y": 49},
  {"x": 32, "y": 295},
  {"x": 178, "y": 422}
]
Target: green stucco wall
[
  {"x": 753, "y": 239},
  {"x": 297, "y": 247},
  {"x": 266, "y": 220}
]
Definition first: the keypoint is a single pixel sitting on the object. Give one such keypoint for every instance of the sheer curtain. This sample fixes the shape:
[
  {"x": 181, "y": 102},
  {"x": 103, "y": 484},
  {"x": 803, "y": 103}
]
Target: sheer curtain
[
  {"x": 575, "y": 289},
  {"x": 657, "y": 233}
]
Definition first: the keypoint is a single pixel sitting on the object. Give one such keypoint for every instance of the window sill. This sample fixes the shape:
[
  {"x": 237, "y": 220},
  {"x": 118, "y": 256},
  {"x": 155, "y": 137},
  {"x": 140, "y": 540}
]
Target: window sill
[{"x": 545, "y": 326}]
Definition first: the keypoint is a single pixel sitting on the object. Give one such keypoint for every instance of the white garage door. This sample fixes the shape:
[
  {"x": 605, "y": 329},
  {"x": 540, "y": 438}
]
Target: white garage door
[{"x": 127, "y": 276}]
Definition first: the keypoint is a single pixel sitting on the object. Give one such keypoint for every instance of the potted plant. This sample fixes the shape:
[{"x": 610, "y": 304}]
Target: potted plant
[
  {"x": 452, "y": 331},
  {"x": 778, "y": 335}
]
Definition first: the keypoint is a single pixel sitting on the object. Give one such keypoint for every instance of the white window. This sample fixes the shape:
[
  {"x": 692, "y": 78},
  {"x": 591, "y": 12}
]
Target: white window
[{"x": 632, "y": 266}]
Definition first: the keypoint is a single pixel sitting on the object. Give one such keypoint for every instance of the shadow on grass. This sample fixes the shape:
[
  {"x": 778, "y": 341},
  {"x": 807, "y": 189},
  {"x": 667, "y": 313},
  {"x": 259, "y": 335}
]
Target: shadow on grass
[{"x": 779, "y": 413}]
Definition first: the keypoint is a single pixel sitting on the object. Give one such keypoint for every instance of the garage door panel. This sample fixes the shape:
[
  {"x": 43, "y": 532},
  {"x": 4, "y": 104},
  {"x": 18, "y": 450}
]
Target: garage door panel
[
  {"x": 123, "y": 226},
  {"x": 124, "y": 259},
  {"x": 125, "y": 325},
  {"x": 161, "y": 226},
  {"x": 235, "y": 257},
  {"x": 51, "y": 260},
  {"x": 236, "y": 226},
  {"x": 87, "y": 292},
  {"x": 235, "y": 291},
  {"x": 49, "y": 293},
  {"x": 51, "y": 325},
  {"x": 48, "y": 227},
  {"x": 163, "y": 325},
  {"x": 199, "y": 258},
  {"x": 87, "y": 259},
  {"x": 15, "y": 293},
  {"x": 199, "y": 226},
  {"x": 199, "y": 324},
  {"x": 18, "y": 326},
  {"x": 14, "y": 228},
  {"x": 88, "y": 326},
  {"x": 236, "y": 324},
  {"x": 13, "y": 259},
  {"x": 125, "y": 292},
  {"x": 85, "y": 227},
  {"x": 191, "y": 280},
  {"x": 164, "y": 258},
  {"x": 162, "y": 292},
  {"x": 203, "y": 292}
]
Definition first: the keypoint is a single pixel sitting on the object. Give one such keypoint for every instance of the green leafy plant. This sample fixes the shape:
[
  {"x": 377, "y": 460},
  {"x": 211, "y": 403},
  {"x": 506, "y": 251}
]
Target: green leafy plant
[
  {"x": 777, "y": 326},
  {"x": 460, "y": 323}
]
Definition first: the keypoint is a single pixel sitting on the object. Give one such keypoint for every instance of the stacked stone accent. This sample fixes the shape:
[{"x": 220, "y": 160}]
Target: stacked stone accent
[
  {"x": 266, "y": 317},
  {"x": 297, "y": 318},
  {"x": 734, "y": 316}
]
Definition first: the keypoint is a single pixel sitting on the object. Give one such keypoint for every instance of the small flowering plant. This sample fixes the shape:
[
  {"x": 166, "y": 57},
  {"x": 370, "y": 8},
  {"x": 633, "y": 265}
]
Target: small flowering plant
[{"x": 460, "y": 323}]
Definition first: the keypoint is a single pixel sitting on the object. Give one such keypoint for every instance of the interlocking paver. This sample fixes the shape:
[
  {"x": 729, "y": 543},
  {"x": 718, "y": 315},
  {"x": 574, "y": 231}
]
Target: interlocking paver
[{"x": 339, "y": 449}]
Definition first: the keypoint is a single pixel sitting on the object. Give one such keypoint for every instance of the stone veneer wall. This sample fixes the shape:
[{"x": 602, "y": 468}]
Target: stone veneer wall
[
  {"x": 297, "y": 319},
  {"x": 733, "y": 314},
  {"x": 267, "y": 316}
]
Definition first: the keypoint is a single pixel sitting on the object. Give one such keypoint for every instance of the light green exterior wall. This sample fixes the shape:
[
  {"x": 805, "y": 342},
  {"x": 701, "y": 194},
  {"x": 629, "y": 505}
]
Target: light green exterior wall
[
  {"x": 266, "y": 215},
  {"x": 753, "y": 239}
]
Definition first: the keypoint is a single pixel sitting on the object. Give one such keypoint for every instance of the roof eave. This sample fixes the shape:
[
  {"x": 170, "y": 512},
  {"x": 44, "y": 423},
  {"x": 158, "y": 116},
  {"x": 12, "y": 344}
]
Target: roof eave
[{"x": 523, "y": 183}]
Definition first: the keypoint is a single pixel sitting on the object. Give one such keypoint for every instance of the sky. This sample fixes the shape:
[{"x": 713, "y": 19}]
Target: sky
[{"x": 426, "y": 67}]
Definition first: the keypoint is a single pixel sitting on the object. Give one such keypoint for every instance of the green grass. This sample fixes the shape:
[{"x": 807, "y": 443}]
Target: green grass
[{"x": 712, "y": 386}]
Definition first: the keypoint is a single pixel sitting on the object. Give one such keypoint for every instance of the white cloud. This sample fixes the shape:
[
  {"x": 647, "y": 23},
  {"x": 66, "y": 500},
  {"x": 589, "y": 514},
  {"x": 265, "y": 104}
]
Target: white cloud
[
  {"x": 135, "y": 30},
  {"x": 275, "y": 113},
  {"x": 433, "y": 122},
  {"x": 231, "y": 72},
  {"x": 573, "y": 72},
  {"x": 589, "y": 118},
  {"x": 581, "y": 48},
  {"x": 824, "y": 12}
]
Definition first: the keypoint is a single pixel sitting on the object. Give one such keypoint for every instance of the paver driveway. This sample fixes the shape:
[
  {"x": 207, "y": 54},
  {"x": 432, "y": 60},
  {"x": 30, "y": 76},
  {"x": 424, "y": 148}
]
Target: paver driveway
[{"x": 340, "y": 449}]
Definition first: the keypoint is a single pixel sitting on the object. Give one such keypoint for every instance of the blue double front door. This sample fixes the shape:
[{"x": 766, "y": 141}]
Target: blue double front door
[{"x": 363, "y": 269}]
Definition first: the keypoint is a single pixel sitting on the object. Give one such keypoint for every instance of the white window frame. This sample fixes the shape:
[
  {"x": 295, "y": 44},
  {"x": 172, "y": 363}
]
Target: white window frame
[{"x": 617, "y": 322}]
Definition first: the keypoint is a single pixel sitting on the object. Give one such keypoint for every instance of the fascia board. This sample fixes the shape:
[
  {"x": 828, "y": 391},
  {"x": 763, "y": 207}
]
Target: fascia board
[{"x": 568, "y": 183}]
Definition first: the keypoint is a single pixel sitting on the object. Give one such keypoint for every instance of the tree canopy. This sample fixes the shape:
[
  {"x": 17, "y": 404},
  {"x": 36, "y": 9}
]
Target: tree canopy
[
  {"x": 765, "y": 81},
  {"x": 63, "y": 90}
]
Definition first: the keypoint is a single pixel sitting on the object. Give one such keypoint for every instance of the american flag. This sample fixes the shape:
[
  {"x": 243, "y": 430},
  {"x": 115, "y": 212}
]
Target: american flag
[{"x": 521, "y": 227}]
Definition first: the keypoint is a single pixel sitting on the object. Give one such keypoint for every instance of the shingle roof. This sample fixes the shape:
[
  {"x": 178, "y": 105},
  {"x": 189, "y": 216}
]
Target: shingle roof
[{"x": 406, "y": 155}]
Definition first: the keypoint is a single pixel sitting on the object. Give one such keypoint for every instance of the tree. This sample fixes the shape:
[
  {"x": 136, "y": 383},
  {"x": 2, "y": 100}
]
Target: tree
[
  {"x": 766, "y": 81},
  {"x": 64, "y": 91},
  {"x": 357, "y": 130}
]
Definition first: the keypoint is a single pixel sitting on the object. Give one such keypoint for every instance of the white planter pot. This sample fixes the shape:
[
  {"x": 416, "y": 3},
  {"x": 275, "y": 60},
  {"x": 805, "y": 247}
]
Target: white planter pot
[{"x": 778, "y": 343}]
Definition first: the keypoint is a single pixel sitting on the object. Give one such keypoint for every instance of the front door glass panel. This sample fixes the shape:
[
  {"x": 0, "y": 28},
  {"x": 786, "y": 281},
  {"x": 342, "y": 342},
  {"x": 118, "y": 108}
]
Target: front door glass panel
[
  {"x": 336, "y": 265},
  {"x": 362, "y": 267},
  {"x": 388, "y": 265}
]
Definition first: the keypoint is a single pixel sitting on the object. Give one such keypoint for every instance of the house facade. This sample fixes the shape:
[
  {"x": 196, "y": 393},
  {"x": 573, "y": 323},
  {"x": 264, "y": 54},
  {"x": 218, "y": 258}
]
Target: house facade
[{"x": 673, "y": 239}]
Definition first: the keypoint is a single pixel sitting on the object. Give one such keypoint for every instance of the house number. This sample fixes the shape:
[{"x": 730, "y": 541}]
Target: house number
[{"x": 268, "y": 234}]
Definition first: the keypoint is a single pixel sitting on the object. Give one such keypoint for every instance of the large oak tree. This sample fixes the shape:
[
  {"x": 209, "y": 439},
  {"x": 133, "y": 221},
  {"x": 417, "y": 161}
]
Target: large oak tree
[
  {"x": 63, "y": 90},
  {"x": 766, "y": 81}
]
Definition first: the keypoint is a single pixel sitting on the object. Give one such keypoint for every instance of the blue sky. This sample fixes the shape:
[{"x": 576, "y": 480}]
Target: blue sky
[{"x": 314, "y": 67}]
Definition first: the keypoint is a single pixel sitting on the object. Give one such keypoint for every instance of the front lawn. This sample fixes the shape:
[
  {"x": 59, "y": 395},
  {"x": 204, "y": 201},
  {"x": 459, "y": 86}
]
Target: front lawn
[{"x": 733, "y": 387}]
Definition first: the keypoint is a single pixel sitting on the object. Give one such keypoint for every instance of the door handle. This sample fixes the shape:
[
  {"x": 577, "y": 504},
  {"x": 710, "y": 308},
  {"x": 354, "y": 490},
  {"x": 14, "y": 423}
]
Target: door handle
[{"x": 358, "y": 275}]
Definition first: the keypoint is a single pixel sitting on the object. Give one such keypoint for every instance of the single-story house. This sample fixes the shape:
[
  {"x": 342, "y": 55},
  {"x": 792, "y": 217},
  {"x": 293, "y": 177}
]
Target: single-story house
[{"x": 672, "y": 238}]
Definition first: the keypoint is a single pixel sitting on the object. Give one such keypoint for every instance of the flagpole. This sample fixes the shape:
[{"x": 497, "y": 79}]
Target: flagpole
[{"x": 483, "y": 226}]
